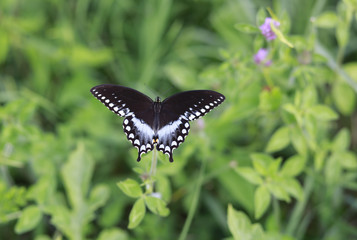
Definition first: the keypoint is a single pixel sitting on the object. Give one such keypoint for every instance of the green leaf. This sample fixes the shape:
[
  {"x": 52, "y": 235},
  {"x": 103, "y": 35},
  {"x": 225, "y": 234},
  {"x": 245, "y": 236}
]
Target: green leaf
[
  {"x": 76, "y": 174},
  {"x": 342, "y": 140},
  {"x": 293, "y": 166},
  {"x": 326, "y": 20},
  {"x": 309, "y": 96},
  {"x": 344, "y": 97},
  {"x": 241, "y": 227},
  {"x": 293, "y": 187},
  {"x": 137, "y": 213},
  {"x": 98, "y": 196},
  {"x": 279, "y": 140},
  {"x": 130, "y": 188},
  {"x": 250, "y": 175},
  {"x": 298, "y": 140},
  {"x": 348, "y": 160},
  {"x": 261, "y": 162},
  {"x": 246, "y": 28},
  {"x": 262, "y": 200},
  {"x": 113, "y": 234},
  {"x": 278, "y": 191},
  {"x": 319, "y": 159},
  {"x": 280, "y": 35},
  {"x": 157, "y": 206},
  {"x": 28, "y": 220},
  {"x": 270, "y": 100},
  {"x": 323, "y": 112},
  {"x": 274, "y": 167}
]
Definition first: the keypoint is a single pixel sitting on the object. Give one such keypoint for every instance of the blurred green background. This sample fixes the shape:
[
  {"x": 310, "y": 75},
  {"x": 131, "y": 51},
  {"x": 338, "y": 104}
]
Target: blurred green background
[{"x": 277, "y": 160}]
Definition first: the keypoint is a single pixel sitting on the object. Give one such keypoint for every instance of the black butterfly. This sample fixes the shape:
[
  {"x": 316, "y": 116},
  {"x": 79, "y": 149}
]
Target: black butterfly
[{"x": 148, "y": 123}]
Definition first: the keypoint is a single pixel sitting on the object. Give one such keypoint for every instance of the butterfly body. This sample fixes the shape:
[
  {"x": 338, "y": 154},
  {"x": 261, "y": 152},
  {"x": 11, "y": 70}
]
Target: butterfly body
[{"x": 148, "y": 124}]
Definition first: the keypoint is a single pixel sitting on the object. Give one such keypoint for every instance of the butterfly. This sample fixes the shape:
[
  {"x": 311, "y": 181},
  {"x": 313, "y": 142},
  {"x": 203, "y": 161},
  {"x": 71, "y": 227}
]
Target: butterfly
[{"x": 149, "y": 123}]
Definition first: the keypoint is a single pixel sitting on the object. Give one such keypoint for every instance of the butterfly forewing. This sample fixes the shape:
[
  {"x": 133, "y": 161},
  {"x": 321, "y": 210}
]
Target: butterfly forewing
[
  {"x": 190, "y": 104},
  {"x": 136, "y": 107}
]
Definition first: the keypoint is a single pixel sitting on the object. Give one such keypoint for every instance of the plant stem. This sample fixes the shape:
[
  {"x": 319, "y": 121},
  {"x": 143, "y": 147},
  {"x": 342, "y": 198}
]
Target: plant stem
[
  {"x": 193, "y": 207},
  {"x": 300, "y": 207},
  {"x": 276, "y": 210}
]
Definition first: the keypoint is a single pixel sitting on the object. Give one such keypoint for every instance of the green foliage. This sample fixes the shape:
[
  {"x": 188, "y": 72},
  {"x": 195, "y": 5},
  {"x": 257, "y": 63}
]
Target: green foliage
[{"x": 281, "y": 149}]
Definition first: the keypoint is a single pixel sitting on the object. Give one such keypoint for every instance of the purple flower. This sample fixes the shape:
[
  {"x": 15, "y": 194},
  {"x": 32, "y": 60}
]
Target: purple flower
[
  {"x": 261, "y": 57},
  {"x": 266, "y": 29}
]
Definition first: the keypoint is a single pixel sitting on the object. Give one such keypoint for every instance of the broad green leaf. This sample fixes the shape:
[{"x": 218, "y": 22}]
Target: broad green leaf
[
  {"x": 274, "y": 167},
  {"x": 333, "y": 169},
  {"x": 137, "y": 213},
  {"x": 246, "y": 28},
  {"x": 270, "y": 100},
  {"x": 130, "y": 188},
  {"x": 309, "y": 96},
  {"x": 28, "y": 220},
  {"x": 323, "y": 112},
  {"x": 348, "y": 160},
  {"x": 157, "y": 206},
  {"x": 113, "y": 234},
  {"x": 261, "y": 162},
  {"x": 262, "y": 200},
  {"x": 293, "y": 187},
  {"x": 344, "y": 97},
  {"x": 326, "y": 20},
  {"x": 98, "y": 196},
  {"x": 241, "y": 227},
  {"x": 278, "y": 191},
  {"x": 298, "y": 140},
  {"x": 250, "y": 175},
  {"x": 342, "y": 140},
  {"x": 76, "y": 174},
  {"x": 293, "y": 166},
  {"x": 279, "y": 140},
  {"x": 319, "y": 159}
]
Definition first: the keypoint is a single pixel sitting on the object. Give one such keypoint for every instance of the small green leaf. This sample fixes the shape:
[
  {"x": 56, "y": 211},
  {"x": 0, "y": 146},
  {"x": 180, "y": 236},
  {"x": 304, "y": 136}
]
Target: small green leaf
[
  {"x": 348, "y": 160},
  {"x": 298, "y": 140},
  {"x": 241, "y": 227},
  {"x": 246, "y": 28},
  {"x": 326, "y": 20},
  {"x": 319, "y": 159},
  {"x": 278, "y": 191},
  {"x": 130, "y": 188},
  {"x": 98, "y": 196},
  {"x": 293, "y": 166},
  {"x": 280, "y": 35},
  {"x": 157, "y": 206},
  {"x": 342, "y": 140},
  {"x": 274, "y": 167},
  {"x": 113, "y": 234},
  {"x": 76, "y": 174},
  {"x": 279, "y": 140},
  {"x": 250, "y": 175},
  {"x": 261, "y": 162},
  {"x": 323, "y": 112},
  {"x": 293, "y": 187},
  {"x": 28, "y": 220},
  {"x": 344, "y": 97},
  {"x": 137, "y": 213},
  {"x": 262, "y": 200}
]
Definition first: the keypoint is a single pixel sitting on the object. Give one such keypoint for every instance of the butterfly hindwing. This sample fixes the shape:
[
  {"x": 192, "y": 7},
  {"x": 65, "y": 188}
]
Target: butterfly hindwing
[
  {"x": 172, "y": 135},
  {"x": 139, "y": 134}
]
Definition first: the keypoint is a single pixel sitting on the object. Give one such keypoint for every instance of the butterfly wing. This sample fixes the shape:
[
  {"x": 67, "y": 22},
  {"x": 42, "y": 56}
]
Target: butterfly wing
[
  {"x": 137, "y": 108},
  {"x": 177, "y": 111}
]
